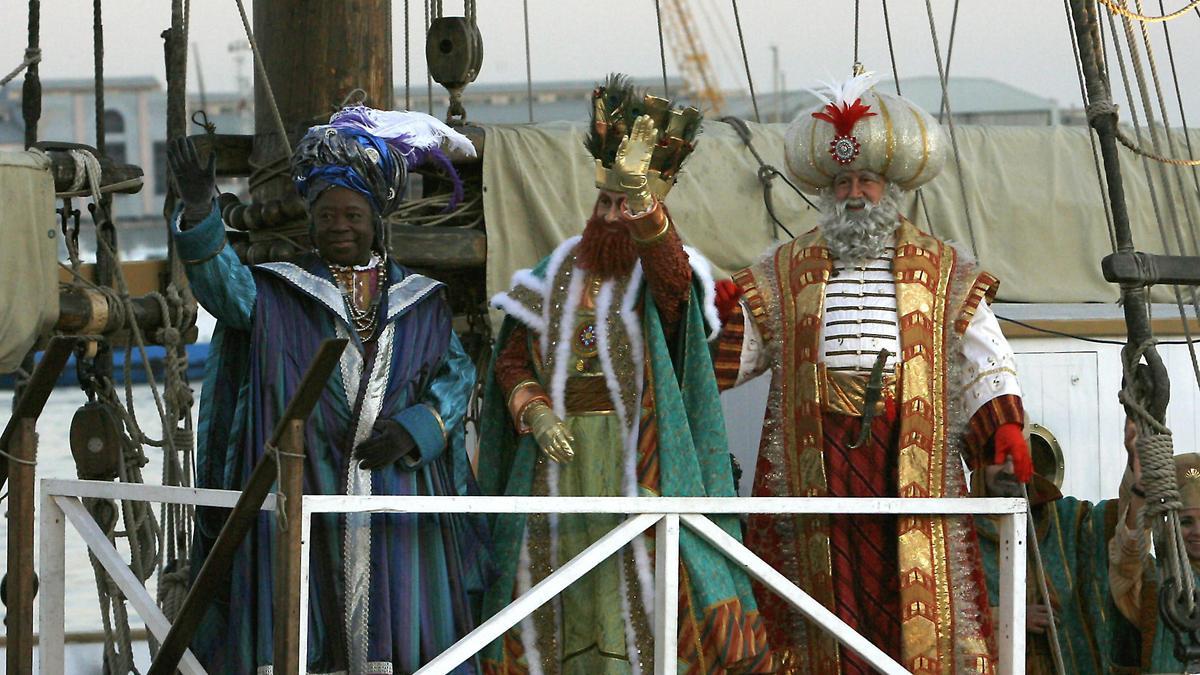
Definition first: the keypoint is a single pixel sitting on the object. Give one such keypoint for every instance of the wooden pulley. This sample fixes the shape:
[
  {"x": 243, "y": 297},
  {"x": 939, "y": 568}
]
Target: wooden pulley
[
  {"x": 96, "y": 441},
  {"x": 454, "y": 51}
]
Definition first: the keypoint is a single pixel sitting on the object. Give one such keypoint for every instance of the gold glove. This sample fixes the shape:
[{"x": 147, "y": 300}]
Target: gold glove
[
  {"x": 633, "y": 161},
  {"x": 549, "y": 432}
]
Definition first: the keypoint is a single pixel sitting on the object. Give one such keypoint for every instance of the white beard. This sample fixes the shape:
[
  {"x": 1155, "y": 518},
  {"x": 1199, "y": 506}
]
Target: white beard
[{"x": 858, "y": 235}]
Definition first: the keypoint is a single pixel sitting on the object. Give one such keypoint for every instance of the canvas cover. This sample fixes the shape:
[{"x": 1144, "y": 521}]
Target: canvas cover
[
  {"x": 28, "y": 255},
  {"x": 1034, "y": 196}
]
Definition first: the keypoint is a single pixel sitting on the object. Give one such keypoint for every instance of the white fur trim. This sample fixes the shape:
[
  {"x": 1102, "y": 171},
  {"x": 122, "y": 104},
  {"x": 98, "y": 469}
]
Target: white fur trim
[
  {"x": 562, "y": 352},
  {"x": 504, "y": 302},
  {"x": 527, "y": 279},
  {"x": 702, "y": 268},
  {"x": 556, "y": 260},
  {"x": 533, "y": 658},
  {"x": 635, "y": 662},
  {"x": 645, "y": 572},
  {"x": 603, "y": 304}
]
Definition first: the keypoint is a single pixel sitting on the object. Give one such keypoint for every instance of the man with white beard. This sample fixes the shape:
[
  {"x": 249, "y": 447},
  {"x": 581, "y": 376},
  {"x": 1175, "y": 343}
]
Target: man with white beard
[{"x": 888, "y": 370}]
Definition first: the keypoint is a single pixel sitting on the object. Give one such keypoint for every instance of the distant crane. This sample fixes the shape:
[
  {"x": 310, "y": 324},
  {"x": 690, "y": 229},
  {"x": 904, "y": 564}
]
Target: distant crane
[{"x": 686, "y": 42}]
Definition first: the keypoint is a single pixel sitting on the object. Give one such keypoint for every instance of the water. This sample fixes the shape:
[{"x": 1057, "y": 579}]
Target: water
[{"x": 55, "y": 461}]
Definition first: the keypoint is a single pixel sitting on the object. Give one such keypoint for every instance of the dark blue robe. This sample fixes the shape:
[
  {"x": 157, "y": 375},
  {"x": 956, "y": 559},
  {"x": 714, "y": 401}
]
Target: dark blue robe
[{"x": 386, "y": 592}]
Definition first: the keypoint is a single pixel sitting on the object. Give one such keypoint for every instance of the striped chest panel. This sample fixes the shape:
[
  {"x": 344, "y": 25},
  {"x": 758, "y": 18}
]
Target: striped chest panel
[{"x": 860, "y": 316}]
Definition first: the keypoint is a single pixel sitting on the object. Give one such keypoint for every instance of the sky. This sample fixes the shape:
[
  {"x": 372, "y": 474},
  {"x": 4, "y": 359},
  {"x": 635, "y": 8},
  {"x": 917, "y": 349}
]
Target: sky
[{"x": 1024, "y": 43}]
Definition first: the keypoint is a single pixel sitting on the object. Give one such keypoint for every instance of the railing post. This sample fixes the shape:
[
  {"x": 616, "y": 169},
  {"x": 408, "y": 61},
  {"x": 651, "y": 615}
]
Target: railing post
[
  {"x": 23, "y": 449},
  {"x": 287, "y": 550},
  {"x": 666, "y": 593},
  {"x": 52, "y": 566},
  {"x": 305, "y": 560},
  {"x": 220, "y": 557},
  {"x": 1011, "y": 631}
]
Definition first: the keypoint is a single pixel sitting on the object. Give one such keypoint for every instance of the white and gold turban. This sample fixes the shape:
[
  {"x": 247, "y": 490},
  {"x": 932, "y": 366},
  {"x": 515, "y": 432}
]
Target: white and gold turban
[
  {"x": 860, "y": 129},
  {"x": 1187, "y": 478}
]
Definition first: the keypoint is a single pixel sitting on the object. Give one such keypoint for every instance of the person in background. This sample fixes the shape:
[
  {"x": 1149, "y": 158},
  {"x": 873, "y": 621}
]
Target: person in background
[
  {"x": 1072, "y": 538},
  {"x": 1142, "y": 644}
]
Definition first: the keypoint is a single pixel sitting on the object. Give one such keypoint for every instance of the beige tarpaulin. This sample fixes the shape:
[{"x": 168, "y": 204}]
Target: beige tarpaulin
[
  {"x": 28, "y": 254},
  {"x": 1035, "y": 201}
]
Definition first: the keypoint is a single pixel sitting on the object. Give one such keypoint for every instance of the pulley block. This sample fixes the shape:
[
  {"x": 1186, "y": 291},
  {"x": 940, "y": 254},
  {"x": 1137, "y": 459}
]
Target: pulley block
[
  {"x": 96, "y": 441},
  {"x": 454, "y": 51}
]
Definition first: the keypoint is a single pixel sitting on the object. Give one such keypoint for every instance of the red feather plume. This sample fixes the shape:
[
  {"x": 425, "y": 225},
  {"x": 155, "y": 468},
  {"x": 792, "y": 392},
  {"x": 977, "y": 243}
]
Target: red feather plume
[{"x": 845, "y": 117}]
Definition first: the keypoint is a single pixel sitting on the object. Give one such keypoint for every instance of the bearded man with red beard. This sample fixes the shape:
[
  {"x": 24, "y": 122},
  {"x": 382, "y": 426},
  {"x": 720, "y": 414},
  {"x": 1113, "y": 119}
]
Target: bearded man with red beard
[
  {"x": 602, "y": 385},
  {"x": 888, "y": 370}
]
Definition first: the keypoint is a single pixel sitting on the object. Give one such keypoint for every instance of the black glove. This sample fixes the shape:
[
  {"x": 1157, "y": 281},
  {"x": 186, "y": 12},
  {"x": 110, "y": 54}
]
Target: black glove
[
  {"x": 389, "y": 442},
  {"x": 194, "y": 183}
]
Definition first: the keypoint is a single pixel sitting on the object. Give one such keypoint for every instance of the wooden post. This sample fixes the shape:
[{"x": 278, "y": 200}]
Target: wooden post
[
  {"x": 215, "y": 569},
  {"x": 315, "y": 53},
  {"x": 23, "y": 448},
  {"x": 19, "y": 440},
  {"x": 287, "y": 551}
]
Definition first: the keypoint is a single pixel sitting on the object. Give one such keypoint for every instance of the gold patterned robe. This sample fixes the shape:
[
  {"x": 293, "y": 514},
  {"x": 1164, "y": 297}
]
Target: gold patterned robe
[{"x": 938, "y": 289}]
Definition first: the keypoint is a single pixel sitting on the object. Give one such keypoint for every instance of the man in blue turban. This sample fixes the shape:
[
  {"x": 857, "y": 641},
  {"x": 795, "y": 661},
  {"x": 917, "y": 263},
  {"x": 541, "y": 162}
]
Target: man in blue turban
[{"x": 387, "y": 591}]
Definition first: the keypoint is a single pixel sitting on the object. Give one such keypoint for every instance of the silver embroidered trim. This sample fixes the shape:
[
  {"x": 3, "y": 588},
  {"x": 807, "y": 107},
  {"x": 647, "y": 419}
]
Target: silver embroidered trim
[
  {"x": 320, "y": 289},
  {"x": 357, "y": 552},
  {"x": 407, "y": 292}
]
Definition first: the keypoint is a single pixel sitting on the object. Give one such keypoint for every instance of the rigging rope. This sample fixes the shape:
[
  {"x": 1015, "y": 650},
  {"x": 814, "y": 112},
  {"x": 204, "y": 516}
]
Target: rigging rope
[
  {"x": 945, "y": 105},
  {"x": 428, "y": 74},
  {"x": 962, "y": 182},
  {"x": 855, "y": 65},
  {"x": 31, "y": 91},
  {"x": 261, "y": 69},
  {"x": 32, "y": 57},
  {"x": 662, "y": 50},
  {"x": 1135, "y": 60},
  {"x": 1120, "y": 9},
  {"x": 1108, "y": 218},
  {"x": 1179, "y": 97},
  {"x": 528, "y": 63},
  {"x": 745, "y": 60},
  {"x": 407, "y": 80}
]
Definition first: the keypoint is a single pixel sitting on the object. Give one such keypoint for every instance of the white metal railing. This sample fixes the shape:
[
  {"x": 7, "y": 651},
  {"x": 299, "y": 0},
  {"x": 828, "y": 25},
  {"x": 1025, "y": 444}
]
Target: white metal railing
[{"x": 60, "y": 499}]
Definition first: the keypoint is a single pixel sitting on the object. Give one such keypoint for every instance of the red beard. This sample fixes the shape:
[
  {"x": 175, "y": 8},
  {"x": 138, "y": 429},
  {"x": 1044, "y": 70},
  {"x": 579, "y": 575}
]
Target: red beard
[{"x": 606, "y": 249}]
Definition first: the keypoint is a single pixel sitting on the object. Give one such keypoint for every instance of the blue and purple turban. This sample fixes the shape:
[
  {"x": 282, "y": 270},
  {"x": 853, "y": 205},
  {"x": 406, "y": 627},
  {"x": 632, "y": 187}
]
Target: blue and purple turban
[{"x": 371, "y": 152}]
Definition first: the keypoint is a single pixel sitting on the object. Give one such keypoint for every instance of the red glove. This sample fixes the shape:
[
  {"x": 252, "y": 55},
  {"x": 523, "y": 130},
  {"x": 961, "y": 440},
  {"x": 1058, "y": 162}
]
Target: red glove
[
  {"x": 728, "y": 294},
  {"x": 1010, "y": 442}
]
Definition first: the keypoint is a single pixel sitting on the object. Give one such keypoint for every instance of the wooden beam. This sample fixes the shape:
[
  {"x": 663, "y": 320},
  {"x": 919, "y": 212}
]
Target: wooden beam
[
  {"x": 215, "y": 569},
  {"x": 438, "y": 247},
  {"x": 1147, "y": 269},
  {"x": 233, "y": 152},
  {"x": 142, "y": 276},
  {"x": 41, "y": 383},
  {"x": 287, "y": 551},
  {"x": 20, "y": 578},
  {"x": 62, "y": 168}
]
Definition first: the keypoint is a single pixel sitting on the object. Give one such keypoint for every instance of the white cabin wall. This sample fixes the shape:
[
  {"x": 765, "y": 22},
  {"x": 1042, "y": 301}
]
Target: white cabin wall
[{"x": 1070, "y": 387}]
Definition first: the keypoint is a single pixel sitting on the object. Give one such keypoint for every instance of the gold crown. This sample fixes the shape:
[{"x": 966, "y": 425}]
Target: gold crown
[{"x": 616, "y": 104}]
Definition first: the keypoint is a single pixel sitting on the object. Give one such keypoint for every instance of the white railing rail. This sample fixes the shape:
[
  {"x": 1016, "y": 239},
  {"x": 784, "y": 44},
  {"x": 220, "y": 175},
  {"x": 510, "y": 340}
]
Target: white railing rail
[{"x": 60, "y": 500}]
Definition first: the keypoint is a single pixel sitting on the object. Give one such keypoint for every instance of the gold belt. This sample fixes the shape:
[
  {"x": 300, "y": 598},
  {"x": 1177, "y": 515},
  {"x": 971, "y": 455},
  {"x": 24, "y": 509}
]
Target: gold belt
[
  {"x": 845, "y": 392},
  {"x": 588, "y": 395}
]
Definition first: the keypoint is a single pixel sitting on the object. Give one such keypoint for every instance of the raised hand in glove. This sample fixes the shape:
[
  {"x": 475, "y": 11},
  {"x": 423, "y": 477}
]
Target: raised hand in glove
[
  {"x": 389, "y": 442},
  {"x": 633, "y": 161},
  {"x": 195, "y": 183},
  {"x": 549, "y": 432}
]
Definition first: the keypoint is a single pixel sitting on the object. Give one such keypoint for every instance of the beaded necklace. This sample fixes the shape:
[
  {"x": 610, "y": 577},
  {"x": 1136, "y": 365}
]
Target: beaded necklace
[{"x": 360, "y": 286}]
